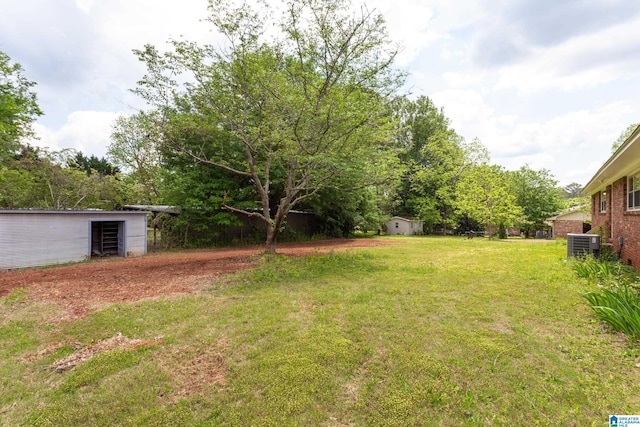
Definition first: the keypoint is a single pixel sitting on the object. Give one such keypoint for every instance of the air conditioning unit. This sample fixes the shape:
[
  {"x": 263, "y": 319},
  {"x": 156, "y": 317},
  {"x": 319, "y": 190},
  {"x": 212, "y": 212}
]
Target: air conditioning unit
[{"x": 583, "y": 244}]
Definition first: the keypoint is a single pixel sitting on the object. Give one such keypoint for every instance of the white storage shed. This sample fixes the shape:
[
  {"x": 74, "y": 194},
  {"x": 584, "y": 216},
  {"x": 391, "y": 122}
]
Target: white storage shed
[
  {"x": 406, "y": 226},
  {"x": 30, "y": 238}
]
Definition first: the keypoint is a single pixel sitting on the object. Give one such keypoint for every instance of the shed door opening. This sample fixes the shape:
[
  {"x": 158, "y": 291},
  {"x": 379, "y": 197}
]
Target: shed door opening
[{"x": 107, "y": 238}]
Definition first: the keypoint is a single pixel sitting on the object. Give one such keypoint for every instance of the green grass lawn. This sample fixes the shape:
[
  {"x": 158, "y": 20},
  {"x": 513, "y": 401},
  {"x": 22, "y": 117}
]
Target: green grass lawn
[{"x": 432, "y": 331}]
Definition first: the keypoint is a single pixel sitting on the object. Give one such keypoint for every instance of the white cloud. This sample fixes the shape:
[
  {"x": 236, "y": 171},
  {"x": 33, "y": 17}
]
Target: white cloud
[
  {"x": 419, "y": 24},
  {"x": 412, "y": 32},
  {"x": 85, "y": 5},
  {"x": 466, "y": 108},
  {"x": 86, "y": 131},
  {"x": 461, "y": 80},
  {"x": 578, "y": 63},
  {"x": 568, "y": 142}
]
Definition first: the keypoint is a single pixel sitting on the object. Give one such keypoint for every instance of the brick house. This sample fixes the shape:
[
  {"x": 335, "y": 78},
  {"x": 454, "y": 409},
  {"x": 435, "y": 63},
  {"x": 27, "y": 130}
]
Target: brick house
[
  {"x": 571, "y": 221},
  {"x": 615, "y": 200}
]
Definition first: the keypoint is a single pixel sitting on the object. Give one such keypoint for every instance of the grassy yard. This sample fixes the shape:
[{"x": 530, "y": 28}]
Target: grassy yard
[{"x": 433, "y": 332}]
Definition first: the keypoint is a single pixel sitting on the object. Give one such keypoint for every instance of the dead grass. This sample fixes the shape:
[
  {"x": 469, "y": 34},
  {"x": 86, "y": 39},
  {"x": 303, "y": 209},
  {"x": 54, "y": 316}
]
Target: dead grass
[{"x": 84, "y": 353}]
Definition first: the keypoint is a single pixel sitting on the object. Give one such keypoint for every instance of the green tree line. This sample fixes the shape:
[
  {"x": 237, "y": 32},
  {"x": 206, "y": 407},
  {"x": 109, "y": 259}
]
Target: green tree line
[{"x": 301, "y": 109}]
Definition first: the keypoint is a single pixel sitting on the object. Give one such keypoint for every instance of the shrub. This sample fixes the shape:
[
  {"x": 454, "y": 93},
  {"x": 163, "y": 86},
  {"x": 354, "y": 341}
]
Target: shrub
[
  {"x": 593, "y": 270},
  {"x": 604, "y": 272},
  {"x": 607, "y": 254}
]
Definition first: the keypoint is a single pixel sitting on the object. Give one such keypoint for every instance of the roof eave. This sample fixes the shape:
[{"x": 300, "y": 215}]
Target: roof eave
[{"x": 620, "y": 164}]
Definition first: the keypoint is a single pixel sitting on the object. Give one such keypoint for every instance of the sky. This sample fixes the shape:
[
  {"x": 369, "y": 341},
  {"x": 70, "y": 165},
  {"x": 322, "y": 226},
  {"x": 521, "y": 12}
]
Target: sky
[{"x": 545, "y": 83}]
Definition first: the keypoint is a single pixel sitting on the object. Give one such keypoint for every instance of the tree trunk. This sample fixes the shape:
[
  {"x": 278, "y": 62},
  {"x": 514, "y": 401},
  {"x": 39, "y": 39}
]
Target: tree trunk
[
  {"x": 273, "y": 226},
  {"x": 272, "y": 239}
]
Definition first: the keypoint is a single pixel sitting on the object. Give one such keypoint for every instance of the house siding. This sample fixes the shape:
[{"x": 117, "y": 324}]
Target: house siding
[{"x": 32, "y": 239}]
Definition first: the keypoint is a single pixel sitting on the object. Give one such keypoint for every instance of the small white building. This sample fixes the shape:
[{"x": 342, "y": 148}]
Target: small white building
[
  {"x": 36, "y": 238},
  {"x": 406, "y": 226}
]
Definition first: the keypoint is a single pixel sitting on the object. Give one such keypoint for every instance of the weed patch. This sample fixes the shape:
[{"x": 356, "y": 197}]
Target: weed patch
[{"x": 16, "y": 296}]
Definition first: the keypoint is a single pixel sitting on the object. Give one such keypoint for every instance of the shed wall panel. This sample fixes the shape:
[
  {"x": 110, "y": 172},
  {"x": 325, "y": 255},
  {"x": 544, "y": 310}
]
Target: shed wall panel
[
  {"x": 30, "y": 239},
  {"x": 399, "y": 225}
]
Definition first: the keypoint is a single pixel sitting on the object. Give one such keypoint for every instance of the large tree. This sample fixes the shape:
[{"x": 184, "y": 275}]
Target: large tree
[
  {"x": 538, "y": 195},
  {"x": 134, "y": 149},
  {"x": 573, "y": 190},
  {"x": 623, "y": 136},
  {"x": 434, "y": 156},
  {"x": 485, "y": 195},
  {"x": 297, "y": 113},
  {"x": 41, "y": 179},
  {"x": 18, "y": 106}
]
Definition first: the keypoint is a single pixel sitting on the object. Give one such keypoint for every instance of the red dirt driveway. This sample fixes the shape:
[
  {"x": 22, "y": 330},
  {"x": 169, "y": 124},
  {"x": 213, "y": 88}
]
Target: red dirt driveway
[{"x": 82, "y": 288}]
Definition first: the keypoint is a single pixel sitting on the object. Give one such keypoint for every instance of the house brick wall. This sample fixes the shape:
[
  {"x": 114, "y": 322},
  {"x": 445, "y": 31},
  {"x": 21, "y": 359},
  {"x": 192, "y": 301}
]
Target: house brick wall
[
  {"x": 626, "y": 225},
  {"x": 601, "y": 219},
  {"x": 618, "y": 222},
  {"x": 563, "y": 227}
]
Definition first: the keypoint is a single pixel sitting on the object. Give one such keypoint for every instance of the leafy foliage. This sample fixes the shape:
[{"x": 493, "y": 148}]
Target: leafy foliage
[
  {"x": 92, "y": 164},
  {"x": 537, "y": 194},
  {"x": 36, "y": 178},
  {"x": 44, "y": 179},
  {"x": 485, "y": 195},
  {"x": 18, "y": 106},
  {"x": 293, "y": 116},
  {"x": 199, "y": 192},
  {"x": 134, "y": 149},
  {"x": 623, "y": 136},
  {"x": 618, "y": 307},
  {"x": 434, "y": 156}
]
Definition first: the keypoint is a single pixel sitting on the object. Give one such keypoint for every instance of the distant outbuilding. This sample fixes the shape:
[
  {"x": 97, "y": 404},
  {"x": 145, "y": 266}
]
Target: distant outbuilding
[
  {"x": 406, "y": 226},
  {"x": 570, "y": 221},
  {"x": 31, "y": 238}
]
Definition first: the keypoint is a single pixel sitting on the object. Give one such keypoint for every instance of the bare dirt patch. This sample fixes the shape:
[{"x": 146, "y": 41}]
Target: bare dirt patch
[
  {"x": 117, "y": 342},
  {"x": 82, "y": 288},
  {"x": 193, "y": 370}
]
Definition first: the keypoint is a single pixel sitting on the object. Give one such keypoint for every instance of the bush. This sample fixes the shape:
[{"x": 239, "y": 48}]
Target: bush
[
  {"x": 604, "y": 272},
  {"x": 592, "y": 269}
]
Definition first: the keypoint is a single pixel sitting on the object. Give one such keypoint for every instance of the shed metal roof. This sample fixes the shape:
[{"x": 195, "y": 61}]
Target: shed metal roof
[
  {"x": 154, "y": 208},
  {"x": 61, "y": 212}
]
